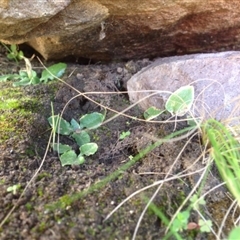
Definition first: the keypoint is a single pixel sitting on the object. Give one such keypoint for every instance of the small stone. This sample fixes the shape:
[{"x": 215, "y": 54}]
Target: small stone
[
  {"x": 79, "y": 76},
  {"x": 119, "y": 70}
]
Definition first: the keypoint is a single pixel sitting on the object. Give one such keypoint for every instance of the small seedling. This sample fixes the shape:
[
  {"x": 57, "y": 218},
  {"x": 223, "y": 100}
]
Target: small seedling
[
  {"x": 178, "y": 104},
  {"x": 79, "y": 132},
  {"x": 14, "y": 188},
  {"x": 29, "y": 76},
  {"x": 124, "y": 135},
  {"x": 196, "y": 202},
  {"x": 181, "y": 222},
  {"x": 13, "y": 52},
  {"x": 205, "y": 226}
]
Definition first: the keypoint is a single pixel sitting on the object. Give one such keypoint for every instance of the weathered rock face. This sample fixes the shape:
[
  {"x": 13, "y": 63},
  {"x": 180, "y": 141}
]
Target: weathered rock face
[
  {"x": 121, "y": 29},
  {"x": 18, "y": 18},
  {"x": 215, "y": 78}
]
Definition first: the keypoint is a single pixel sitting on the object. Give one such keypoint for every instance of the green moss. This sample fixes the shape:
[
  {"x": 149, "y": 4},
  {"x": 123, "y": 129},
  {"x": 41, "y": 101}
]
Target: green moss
[
  {"x": 29, "y": 207},
  {"x": 17, "y": 108},
  {"x": 40, "y": 191},
  {"x": 15, "y": 111},
  {"x": 42, "y": 227},
  {"x": 43, "y": 175},
  {"x": 2, "y": 181}
]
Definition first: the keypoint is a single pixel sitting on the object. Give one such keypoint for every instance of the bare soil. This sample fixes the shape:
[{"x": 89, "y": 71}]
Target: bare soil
[{"x": 58, "y": 205}]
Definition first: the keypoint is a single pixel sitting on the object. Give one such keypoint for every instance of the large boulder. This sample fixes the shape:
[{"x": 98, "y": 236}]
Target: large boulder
[
  {"x": 215, "y": 78},
  {"x": 121, "y": 29}
]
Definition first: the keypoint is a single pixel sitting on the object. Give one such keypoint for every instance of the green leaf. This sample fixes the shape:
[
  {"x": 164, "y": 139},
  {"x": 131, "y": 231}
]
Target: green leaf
[
  {"x": 234, "y": 234},
  {"x": 124, "y": 135},
  {"x": 205, "y": 226},
  {"x": 181, "y": 221},
  {"x": 196, "y": 202},
  {"x": 27, "y": 78},
  {"x": 61, "y": 148},
  {"x": 56, "y": 70},
  {"x": 11, "y": 56},
  {"x": 6, "y": 77},
  {"x": 75, "y": 125},
  {"x": 91, "y": 120},
  {"x": 71, "y": 158},
  {"x": 88, "y": 149},
  {"x": 60, "y": 125},
  {"x": 22, "y": 82},
  {"x": 180, "y": 102},
  {"x": 35, "y": 80},
  {"x": 14, "y": 188},
  {"x": 152, "y": 112},
  {"x": 81, "y": 138},
  {"x": 13, "y": 48},
  {"x": 23, "y": 73},
  {"x": 20, "y": 55}
]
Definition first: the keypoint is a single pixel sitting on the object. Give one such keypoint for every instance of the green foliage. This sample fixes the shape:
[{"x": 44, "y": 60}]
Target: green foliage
[
  {"x": 61, "y": 148},
  {"x": 205, "y": 226},
  {"x": 88, "y": 149},
  {"x": 60, "y": 125},
  {"x": 226, "y": 154},
  {"x": 81, "y": 138},
  {"x": 179, "y": 103},
  {"x": 14, "y": 53},
  {"x": 196, "y": 202},
  {"x": 77, "y": 131},
  {"x": 56, "y": 70},
  {"x": 29, "y": 76},
  {"x": 234, "y": 234},
  {"x": 91, "y": 121},
  {"x": 152, "y": 113},
  {"x": 71, "y": 158},
  {"x": 124, "y": 135},
  {"x": 181, "y": 221},
  {"x": 14, "y": 188}
]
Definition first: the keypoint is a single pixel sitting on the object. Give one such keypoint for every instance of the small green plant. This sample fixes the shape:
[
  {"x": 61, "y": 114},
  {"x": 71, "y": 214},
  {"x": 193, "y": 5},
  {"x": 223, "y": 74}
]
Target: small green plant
[
  {"x": 29, "y": 76},
  {"x": 124, "y": 135},
  {"x": 178, "y": 103},
  {"x": 14, "y": 188},
  {"x": 181, "y": 222},
  {"x": 78, "y": 131},
  {"x": 225, "y": 150},
  {"x": 13, "y": 52}
]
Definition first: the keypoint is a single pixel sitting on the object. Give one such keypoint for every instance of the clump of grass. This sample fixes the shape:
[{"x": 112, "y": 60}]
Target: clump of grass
[{"x": 225, "y": 150}]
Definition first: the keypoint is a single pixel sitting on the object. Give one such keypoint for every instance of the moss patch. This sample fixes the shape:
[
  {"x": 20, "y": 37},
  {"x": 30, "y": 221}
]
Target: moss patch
[{"x": 16, "y": 109}]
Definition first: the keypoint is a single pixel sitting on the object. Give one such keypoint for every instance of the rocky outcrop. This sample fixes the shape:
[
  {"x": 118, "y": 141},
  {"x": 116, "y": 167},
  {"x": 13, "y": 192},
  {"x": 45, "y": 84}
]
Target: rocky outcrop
[
  {"x": 215, "y": 78},
  {"x": 121, "y": 29}
]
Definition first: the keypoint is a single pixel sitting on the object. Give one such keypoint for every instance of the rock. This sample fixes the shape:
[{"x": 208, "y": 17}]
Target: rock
[
  {"x": 121, "y": 29},
  {"x": 19, "y": 19},
  {"x": 215, "y": 78}
]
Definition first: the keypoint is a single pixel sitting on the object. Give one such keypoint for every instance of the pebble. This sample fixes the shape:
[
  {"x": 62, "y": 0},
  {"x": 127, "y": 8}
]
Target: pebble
[{"x": 119, "y": 70}]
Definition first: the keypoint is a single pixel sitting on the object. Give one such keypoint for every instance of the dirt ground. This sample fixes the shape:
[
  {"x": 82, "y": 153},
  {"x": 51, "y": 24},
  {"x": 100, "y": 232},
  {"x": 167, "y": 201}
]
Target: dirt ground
[{"x": 58, "y": 205}]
